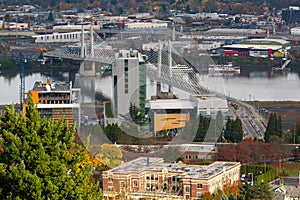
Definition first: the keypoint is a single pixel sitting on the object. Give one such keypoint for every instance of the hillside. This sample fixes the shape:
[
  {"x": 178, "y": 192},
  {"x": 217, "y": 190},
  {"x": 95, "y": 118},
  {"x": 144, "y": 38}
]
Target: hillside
[{"x": 162, "y": 6}]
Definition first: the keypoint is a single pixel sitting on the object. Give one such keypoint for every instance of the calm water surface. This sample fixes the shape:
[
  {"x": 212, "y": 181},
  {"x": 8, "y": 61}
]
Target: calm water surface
[{"x": 254, "y": 86}]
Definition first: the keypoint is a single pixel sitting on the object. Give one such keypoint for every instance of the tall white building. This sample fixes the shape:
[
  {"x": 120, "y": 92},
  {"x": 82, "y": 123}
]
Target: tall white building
[{"x": 129, "y": 81}]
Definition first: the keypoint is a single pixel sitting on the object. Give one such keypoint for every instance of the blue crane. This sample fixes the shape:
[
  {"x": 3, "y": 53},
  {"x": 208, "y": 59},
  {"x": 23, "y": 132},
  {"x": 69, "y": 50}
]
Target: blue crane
[{"x": 22, "y": 60}]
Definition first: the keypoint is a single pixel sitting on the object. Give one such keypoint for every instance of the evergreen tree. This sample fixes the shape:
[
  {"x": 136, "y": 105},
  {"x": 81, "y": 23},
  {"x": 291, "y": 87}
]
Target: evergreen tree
[
  {"x": 50, "y": 17},
  {"x": 202, "y": 128},
  {"x": 40, "y": 160},
  {"x": 113, "y": 132},
  {"x": 279, "y": 129},
  {"x": 234, "y": 130},
  {"x": 274, "y": 127}
]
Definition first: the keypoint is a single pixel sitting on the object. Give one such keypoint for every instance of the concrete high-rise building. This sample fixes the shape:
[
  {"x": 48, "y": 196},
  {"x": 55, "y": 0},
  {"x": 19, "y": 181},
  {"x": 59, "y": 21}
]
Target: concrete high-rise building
[{"x": 129, "y": 81}]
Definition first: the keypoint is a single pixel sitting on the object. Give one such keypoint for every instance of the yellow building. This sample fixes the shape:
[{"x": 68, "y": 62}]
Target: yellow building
[
  {"x": 170, "y": 114},
  {"x": 16, "y": 26},
  {"x": 56, "y": 100}
]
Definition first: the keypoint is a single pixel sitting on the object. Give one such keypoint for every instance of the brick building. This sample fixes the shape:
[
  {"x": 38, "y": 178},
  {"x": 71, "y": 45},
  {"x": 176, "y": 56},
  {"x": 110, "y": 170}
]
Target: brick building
[{"x": 150, "y": 177}]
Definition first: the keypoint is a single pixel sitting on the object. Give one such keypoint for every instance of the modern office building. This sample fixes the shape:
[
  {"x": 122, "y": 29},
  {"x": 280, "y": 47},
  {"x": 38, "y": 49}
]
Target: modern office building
[
  {"x": 129, "y": 81},
  {"x": 291, "y": 15},
  {"x": 56, "y": 100},
  {"x": 170, "y": 114},
  {"x": 151, "y": 178}
]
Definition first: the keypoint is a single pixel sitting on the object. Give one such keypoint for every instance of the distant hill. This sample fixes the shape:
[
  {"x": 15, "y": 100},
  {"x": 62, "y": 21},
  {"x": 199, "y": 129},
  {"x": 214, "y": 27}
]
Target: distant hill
[{"x": 162, "y": 6}]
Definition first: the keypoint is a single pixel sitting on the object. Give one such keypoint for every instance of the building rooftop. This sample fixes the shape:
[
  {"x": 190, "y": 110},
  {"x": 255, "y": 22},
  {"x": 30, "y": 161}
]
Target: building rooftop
[
  {"x": 52, "y": 86},
  {"x": 253, "y": 46},
  {"x": 210, "y": 101},
  {"x": 165, "y": 104},
  {"x": 220, "y": 31},
  {"x": 156, "y": 164}
]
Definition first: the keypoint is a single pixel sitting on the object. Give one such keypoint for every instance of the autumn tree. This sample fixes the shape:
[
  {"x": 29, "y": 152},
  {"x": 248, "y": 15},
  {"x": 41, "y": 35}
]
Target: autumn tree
[
  {"x": 107, "y": 157},
  {"x": 39, "y": 159}
]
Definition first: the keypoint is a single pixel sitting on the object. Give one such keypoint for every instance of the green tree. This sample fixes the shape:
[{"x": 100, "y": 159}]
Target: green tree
[
  {"x": 50, "y": 17},
  {"x": 234, "y": 130},
  {"x": 113, "y": 132},
  {"x": 40, "y": 159},
  {"x": 202, "y": 128},
  {"x": 256, "y": 191},
  {"x": 274, "y": 127},
  {"x": 136, "y": 114}
]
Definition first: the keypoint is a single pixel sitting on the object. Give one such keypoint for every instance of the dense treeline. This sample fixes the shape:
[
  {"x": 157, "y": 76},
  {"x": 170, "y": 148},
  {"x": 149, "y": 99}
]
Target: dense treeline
[
  {"x": 234, "y": 130},
  {"x": 250, "y": 152},
  {"x": 260, "y": 173},
  {"x": 118, "y": 6},
  {"x": 212, "y": 129}
]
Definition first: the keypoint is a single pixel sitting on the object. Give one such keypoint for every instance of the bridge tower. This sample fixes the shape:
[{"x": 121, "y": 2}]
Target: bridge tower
[
  {"x": 170, "y": 60},
  {"x": 87, "y": 68}
]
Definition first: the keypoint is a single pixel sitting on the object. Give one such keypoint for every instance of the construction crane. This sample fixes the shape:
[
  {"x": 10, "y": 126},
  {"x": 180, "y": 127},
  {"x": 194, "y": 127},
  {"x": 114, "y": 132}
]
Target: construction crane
[{"x": 22, "y": 59}]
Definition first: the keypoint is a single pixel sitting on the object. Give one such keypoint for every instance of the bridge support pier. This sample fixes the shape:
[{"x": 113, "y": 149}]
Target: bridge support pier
[{"x": 87, "y": 68}]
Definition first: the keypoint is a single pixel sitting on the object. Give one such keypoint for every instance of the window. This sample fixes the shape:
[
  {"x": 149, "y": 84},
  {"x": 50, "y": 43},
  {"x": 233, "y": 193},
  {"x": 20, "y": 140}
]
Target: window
[
  {"x": 110, "y": 179},
  {"x": 187, "y": 196},
  {"x": 199, "y": 195},
  {"x": 199, "y": 185},
  {"x": 126, "y": 75},
  {"x": 147, "y": 176},
  {"x": 135, "y": 183},
  {"x": 123, "y": 184},
  {"x": 187, "y": 188},
  {"x": 110, "y": 188}
]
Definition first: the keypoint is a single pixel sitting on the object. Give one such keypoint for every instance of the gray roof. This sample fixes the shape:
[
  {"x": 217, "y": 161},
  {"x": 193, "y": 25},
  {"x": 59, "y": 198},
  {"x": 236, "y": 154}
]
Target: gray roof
[
  {"x": 156, "y": 164},
  {"x": 52, "y": 86},
  {"x": 165, "y": 104}
]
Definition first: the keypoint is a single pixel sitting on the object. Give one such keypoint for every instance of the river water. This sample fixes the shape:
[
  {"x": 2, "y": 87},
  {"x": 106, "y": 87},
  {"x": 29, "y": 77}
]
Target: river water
[{"x": 251, "y": 86}]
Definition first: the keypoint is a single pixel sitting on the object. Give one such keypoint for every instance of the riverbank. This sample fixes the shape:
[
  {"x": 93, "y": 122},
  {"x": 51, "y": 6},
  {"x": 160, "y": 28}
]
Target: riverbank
[{"x": 288, "y": 110}]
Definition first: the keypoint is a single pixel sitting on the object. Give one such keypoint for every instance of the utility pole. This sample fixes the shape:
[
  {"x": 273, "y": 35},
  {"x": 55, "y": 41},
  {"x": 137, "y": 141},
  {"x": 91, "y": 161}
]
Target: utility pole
[{"x": 295, "y": 132}]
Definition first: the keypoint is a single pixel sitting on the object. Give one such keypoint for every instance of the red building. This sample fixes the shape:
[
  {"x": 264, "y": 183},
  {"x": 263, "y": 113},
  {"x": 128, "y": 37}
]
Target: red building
[{"x": 150, "y": 177}]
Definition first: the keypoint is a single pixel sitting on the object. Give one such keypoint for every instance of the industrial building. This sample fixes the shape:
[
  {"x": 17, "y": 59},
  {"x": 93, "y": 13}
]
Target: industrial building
[
  {"x": 151, "y": 178},
  {"x": 256, "y": 47},
  {"x": 295, "y": 31},
  {"x": 75, "y": 36},
  {"x": 129, "y": 81},
  {"x": 55, "y": 100},
  {"x": 145, "y": 25}
]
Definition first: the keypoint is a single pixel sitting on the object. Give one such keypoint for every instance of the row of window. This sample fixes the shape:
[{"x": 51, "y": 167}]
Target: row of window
[
  {"x": 56, "y": 37},
  {"x": 195, "y": 157},
  {"x": 44, "y": 101}
]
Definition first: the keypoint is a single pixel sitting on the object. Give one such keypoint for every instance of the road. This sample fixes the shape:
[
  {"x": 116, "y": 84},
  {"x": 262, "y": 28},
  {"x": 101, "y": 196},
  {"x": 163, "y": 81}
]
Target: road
[{"x": 253, "y": 122}]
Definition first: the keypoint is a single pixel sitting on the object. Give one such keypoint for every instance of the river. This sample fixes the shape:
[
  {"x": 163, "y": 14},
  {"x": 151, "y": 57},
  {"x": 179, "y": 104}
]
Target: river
[{"x": 261, "y": 86}]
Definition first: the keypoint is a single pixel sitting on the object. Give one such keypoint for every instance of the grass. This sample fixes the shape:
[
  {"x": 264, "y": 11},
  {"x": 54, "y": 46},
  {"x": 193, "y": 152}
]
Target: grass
[
  {"x": 288, "y": 168},
  {"x": 274, "y": 103}
]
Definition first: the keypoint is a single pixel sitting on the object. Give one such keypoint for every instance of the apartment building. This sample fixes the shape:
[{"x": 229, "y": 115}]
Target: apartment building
[{"x": 150, "y": 177}]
